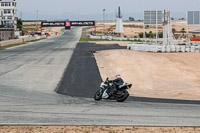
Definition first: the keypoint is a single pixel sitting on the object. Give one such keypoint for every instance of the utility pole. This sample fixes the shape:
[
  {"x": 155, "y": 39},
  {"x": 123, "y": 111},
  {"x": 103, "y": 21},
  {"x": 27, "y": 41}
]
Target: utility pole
[
  {"x": 37, "y": 17},
  {"x": 104, "y": 10}
]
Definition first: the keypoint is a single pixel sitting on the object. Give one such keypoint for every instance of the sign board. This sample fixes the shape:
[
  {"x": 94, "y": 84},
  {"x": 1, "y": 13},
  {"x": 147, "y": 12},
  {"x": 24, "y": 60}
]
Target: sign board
[
  {"x": 53, "y": 24},
  {"x": 153, "y": 17},
  {"x": 193, "y": 17},
  {"x": 67, "y": 24},
  {"x": 82, "y": 23}
]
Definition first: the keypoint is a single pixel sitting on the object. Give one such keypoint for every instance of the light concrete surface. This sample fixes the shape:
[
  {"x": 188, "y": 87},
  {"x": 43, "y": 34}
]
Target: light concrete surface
[
  {"x": 63, "y": 110},
  {"x": 30, "y": 73},
  {"x": 37, "y": 66}
]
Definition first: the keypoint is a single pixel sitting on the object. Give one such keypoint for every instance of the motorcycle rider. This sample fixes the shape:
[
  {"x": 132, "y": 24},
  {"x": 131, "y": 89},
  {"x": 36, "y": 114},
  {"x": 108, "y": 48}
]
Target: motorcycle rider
[{"x": 116, "y": 83}]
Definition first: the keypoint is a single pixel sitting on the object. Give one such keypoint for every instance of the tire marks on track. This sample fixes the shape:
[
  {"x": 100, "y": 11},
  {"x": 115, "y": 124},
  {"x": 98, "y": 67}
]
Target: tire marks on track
[{"x": 11, "y": 70}]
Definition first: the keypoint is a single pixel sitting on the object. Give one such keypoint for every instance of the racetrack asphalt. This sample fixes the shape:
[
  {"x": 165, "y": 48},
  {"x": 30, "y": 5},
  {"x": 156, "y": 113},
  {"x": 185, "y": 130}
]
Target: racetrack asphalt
[
  {"x": 30, "y": 73},
  {"x": 82, "y": 77}
]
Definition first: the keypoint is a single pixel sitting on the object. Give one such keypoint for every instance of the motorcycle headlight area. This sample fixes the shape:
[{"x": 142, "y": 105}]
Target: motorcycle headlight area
[{"x": 102, "y": 85}]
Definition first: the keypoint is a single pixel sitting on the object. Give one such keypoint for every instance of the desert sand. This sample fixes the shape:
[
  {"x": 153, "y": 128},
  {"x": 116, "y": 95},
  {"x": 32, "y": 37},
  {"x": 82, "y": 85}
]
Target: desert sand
[
  {"x": 133, "y": 30},
  {"x": 154, "y": 75}
]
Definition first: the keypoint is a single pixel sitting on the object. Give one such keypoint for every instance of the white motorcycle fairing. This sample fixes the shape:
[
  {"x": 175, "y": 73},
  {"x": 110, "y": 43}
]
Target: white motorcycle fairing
[{"x": 105, "y": 95}]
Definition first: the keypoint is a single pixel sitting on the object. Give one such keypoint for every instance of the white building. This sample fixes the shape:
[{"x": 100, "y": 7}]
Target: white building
[{"x": 8, "y": 12}]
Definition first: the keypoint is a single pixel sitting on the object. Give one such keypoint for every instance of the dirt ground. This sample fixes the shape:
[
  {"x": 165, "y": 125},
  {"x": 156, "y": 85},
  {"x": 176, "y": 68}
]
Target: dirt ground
[
  {"x": 129, "y": 30},
  {"x": 36, "y": 28},
  {"x": 135, "y": 29},
  {"x": 96, "y": 129},
  {"x": 53, "y": 30},
  {"x": 155, "y": 75}
]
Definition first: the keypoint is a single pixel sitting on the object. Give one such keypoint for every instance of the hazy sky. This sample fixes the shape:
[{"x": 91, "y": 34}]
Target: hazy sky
[{"x": 92, "y": 9}]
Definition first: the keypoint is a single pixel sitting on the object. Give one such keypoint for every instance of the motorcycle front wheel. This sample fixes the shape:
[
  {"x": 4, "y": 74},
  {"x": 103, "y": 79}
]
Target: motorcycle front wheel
[
  {"x": 123, "y": 97},
  {"x": 98, "y": 95}
]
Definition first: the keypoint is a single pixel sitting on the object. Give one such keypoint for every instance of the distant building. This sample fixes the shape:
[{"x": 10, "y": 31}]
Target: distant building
[
  {"x": 6, "y": 34},
  {"x": 8, "y": 13},
  {"x": 8, "y": 21}
]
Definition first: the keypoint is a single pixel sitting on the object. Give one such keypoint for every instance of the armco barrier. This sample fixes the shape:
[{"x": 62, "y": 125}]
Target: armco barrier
[
  {"x": 124, "y": 38},
  {"x": 161, "y": 48}
]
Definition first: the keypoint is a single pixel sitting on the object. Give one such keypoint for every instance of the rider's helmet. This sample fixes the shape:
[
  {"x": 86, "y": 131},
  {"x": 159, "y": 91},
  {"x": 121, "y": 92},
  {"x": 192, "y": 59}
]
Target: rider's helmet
[{"x": 118, "y": 76}]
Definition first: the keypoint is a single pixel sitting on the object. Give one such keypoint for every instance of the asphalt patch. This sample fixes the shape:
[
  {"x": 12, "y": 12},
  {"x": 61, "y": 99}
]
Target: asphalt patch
[{"x": 82, "y": 78}]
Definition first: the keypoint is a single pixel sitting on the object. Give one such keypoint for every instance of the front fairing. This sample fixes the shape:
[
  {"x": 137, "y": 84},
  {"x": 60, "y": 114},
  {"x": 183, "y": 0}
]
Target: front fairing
[{"x": 103, "y": 85}]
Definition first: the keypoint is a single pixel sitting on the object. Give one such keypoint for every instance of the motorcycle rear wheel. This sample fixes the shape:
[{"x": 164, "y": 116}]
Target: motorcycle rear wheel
[
  {"x": 98, "y": 95},
  {"x": 123, "y": 97}
]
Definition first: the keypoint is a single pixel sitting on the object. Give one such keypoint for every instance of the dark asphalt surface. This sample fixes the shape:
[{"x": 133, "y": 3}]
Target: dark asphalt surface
[{"x": 82, "y": 77}]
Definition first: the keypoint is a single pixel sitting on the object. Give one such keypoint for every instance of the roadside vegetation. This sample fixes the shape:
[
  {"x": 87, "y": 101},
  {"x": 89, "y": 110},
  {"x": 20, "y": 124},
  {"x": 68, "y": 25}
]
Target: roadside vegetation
[{"x": 151, "y": 35}]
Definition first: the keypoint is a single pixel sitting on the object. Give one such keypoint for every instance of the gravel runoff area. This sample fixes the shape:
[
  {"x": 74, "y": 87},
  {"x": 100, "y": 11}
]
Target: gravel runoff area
[
  {"x": 96, "y": 129},
  {"x": 155, "y": 75}
]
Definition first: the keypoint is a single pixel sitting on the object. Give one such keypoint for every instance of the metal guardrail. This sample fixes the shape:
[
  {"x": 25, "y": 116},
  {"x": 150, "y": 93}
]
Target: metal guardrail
[{"x": 160, "y": 48}]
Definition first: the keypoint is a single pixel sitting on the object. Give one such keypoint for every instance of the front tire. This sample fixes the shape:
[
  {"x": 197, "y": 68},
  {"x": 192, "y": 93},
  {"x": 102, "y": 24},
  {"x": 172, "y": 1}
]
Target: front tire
[
  {"x": 123, "y": 97},
  {"x": 98, "y": 95}
]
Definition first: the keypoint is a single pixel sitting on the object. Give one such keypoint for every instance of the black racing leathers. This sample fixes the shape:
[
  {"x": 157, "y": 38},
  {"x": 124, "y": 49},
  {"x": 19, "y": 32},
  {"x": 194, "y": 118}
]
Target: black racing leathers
[
  {"x": 118, "y": 82},
  {"x": 115, "y": 86}
]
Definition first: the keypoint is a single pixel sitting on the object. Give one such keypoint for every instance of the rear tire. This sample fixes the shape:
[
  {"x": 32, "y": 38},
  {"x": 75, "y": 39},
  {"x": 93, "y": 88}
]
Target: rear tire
[
  {"x": 98, "y": 95},
  {"x": 124, "y": 97}
]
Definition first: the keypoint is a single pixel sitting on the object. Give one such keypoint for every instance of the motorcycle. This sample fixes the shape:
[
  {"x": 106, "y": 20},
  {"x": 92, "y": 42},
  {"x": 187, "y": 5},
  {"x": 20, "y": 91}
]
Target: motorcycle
[{"x": 120, "y": 95}]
